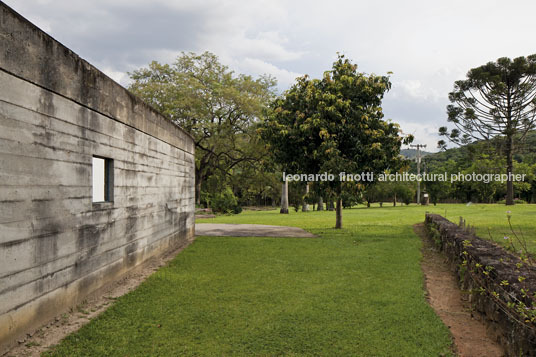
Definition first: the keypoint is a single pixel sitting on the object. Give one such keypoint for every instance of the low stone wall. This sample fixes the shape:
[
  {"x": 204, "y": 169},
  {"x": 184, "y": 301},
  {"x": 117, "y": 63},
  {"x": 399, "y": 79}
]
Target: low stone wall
[{"x": 501, "y": 287}]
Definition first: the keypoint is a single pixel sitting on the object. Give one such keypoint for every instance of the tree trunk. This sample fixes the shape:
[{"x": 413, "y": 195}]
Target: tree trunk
[
  {"x": 330, "y": 205},
  {"x": 284, "y": 198},
  {"x": 338, "y": 214},
  {"x": 509, "y": 169},
  {"x": 320, "y": 204},
  {"x": 305, "y": 207},
  {"x": 394, "y": 201},
  {"x": 198, "y": 182}
]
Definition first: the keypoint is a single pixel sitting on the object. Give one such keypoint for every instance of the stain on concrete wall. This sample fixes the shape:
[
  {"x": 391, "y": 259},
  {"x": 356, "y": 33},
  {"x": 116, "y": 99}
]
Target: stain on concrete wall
[{"x": 56, "y": 113}]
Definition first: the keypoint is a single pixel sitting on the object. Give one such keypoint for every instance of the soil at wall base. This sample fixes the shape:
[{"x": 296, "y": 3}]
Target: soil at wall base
[{"x": 451, "y": 305}]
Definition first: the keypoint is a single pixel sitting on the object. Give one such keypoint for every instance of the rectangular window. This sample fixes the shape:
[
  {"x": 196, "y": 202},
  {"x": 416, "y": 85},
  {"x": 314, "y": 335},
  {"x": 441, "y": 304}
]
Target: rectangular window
[{"x": 103, "y": 174}]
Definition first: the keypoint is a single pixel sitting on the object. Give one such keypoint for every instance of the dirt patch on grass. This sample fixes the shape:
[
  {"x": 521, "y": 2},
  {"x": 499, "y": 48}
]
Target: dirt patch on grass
[
  {"x": 452, "y": 306},
  {"x": 52, "y": 333},
  {"x": 249, "y": 230}
]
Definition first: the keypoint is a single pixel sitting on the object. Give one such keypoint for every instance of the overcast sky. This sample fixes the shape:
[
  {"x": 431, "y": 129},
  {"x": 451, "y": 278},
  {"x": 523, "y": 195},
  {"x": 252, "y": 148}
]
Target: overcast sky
[{"x": 427, "y": 44}]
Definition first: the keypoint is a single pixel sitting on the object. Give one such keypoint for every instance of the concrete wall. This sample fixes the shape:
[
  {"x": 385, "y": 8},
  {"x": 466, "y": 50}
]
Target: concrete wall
[{"x": 56, "y": 113}]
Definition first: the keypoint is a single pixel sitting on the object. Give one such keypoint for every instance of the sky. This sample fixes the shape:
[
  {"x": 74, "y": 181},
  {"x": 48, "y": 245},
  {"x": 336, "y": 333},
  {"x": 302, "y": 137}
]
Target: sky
[{"x": 426, "y": 44}]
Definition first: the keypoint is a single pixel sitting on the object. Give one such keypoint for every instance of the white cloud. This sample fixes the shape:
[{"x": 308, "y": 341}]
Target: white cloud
[
  {"x": 42, "y": 23},
  {"x": 120, "y": 77},
  {"x": 425, "y": 134},
  {"x": 258, "y": 67},
  {"x": 428, "y": 45},
  {"x": 266, "y": 45},
  {"x": 415, "y": 89}
]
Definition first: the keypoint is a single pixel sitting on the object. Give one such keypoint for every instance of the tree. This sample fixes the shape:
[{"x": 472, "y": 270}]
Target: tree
[
  {"x": 438, "y": 189},
  {"x": 217, "y": 107},
  {"x": 376, "y": 192},
  {"x": 525, "y": 188},
  {"x": 497, "y": 100},
  {"x": 401, "y": 191},
  {"x": 256, "y": 182},
  {"x": 284, "y": 198},
  {"x": 484, "y": 191},
  {"x": 334, "y": 124}
]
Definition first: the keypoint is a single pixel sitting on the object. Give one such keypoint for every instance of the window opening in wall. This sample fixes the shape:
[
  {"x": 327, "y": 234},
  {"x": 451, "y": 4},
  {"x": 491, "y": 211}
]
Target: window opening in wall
[{"x": 102, "y": 174}]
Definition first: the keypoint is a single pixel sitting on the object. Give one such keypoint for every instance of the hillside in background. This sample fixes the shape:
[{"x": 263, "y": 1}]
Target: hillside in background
[
  {"x": 411, "y": 154},
  {"x": 482, "y": 157},
  {"x": 464, "y": 155}
]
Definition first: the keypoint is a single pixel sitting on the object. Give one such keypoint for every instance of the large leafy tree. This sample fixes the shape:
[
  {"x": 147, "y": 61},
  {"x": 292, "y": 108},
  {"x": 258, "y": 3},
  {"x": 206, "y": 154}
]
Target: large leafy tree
[
  {"x": 334, "y": 124},
  {"x": 216, "y": 106},
  {"x": 497, "y": 100}
]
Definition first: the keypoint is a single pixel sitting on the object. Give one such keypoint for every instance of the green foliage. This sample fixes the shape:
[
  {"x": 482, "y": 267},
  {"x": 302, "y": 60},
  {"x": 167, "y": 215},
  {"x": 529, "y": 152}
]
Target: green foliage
[
  {"x": 402, "y": 191},
  {"x": 411, "y": 154},
  {"x": 484, "y": 191},
  {"x": 224, "y": 202},
  {"x": 296, "y": 194},
  {"x": 376, "y": 192},
  {"x": 382, "y": 191},
  {"x": 434, "y": 234},
  {"x": 517, "y": 242},
  {"x": 439, "y": 190},
  {"x": 257, "y": 183},
  {"x": 205, "y": 199},
  {"x": 496, "y": 101},
  {"x": 334, "y": 124},
  {"x": 516, "y": 201},
  {"x": 216, "y": 106},
  {"x": 521, "y": 305},
  {"x": 237, "y": 209},
  {"x": 481, "y": 158},
  {"x": 350, "y": 199}
]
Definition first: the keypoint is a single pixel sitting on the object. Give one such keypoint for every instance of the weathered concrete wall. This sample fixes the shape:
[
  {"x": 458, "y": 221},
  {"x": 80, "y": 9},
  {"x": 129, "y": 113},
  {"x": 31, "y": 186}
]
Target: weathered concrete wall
[{"x": 56, "y": 112}]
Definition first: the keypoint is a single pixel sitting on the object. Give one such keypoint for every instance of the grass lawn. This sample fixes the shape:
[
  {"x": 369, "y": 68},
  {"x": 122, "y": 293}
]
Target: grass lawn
[{"x": 356, "y": 291}]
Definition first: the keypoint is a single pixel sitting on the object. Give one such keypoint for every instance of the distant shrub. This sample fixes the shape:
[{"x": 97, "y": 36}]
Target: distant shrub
[
  {"x": 516, "y": 201},
  {"x": 225, "y": 202},
  {"x": 205, "y": 199},
  {"x": 237, "y": 209},
  {"x": 349, "y": 200}
]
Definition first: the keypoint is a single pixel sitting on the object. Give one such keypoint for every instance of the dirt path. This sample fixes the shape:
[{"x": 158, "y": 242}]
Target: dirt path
[
  {"x": 52, "y": 333},
  {"x": 469, "y": 333}
]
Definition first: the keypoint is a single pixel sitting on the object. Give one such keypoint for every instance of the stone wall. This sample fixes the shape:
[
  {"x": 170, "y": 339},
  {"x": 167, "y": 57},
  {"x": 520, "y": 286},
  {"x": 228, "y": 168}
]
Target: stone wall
[
  {"x": 492, "y": 277},
  {"x": 56, "y": 113}
]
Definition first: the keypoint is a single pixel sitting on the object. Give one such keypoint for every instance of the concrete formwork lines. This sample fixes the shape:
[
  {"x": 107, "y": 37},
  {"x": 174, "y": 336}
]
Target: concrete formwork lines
[{"x": 56, "y": 113}]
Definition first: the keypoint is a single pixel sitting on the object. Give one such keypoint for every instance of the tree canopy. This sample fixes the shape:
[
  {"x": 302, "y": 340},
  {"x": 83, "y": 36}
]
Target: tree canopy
[
  {"x": 334, "y": 124},
  {"x": 497, "y": 100},
  {"x": 219, "y": 108}
]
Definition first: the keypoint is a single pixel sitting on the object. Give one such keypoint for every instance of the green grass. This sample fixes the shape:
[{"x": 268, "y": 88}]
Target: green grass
[
  {"x": 356, "y": 291},
  {"x": 487, "y": 218}
]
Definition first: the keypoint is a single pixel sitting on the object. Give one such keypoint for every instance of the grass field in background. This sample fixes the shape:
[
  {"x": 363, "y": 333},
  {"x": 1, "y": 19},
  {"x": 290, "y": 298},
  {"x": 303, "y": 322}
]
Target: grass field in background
[
  {"x": 356, "y": 291},
  {"x": 487, "y": 218}
]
